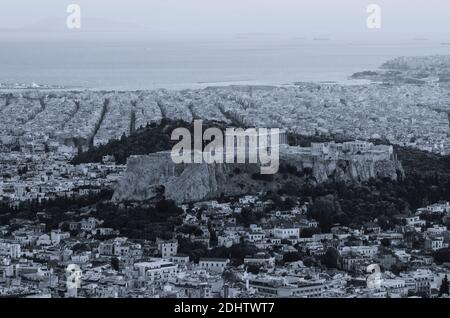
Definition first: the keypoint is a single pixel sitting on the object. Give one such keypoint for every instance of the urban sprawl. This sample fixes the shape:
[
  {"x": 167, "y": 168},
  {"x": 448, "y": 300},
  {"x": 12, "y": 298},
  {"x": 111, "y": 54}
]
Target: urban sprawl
[{"x": 218, "y": 247}]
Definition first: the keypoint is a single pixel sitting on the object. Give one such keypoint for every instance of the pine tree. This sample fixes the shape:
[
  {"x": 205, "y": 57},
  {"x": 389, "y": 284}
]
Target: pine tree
[{"x": 444, "y": 289}]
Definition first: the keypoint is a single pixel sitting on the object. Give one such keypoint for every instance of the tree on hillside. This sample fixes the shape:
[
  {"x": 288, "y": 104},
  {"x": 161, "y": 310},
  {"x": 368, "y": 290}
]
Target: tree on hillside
[
  {"x": 115, "y": 263},
  {"x": 323, "y": 211},
  {"x": 444, "y": 289},
  {"x": 330, "y": 258}
]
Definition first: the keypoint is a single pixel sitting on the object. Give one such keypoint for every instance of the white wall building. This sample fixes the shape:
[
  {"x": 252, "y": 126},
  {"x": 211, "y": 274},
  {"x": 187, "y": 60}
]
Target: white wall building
[{"x": 213, "y": 264}]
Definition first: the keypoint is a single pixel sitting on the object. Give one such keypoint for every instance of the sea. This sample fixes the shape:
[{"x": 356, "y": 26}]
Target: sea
[{"x": 135, "y": 64}]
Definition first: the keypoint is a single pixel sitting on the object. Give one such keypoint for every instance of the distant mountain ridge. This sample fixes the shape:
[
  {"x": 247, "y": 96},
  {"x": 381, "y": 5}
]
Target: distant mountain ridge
[{"x": 58, "y": 24}]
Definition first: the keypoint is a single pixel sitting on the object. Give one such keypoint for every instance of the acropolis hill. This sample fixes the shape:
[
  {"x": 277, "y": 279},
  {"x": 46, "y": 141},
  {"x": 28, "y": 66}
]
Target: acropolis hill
[{"x": 155, "y": 175}]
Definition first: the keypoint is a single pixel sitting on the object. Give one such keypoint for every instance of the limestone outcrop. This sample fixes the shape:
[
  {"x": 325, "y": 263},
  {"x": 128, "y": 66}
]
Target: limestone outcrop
[{"x": 156, "y": 175}]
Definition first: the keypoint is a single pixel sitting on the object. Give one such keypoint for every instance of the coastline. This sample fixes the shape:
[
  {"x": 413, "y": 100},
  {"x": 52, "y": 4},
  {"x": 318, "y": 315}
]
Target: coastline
[{"x": 191, "y": 86}]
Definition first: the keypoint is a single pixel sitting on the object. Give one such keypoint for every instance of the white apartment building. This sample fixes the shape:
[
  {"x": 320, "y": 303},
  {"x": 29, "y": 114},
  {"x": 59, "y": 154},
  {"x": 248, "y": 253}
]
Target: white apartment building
[
  {"x": 168, "y": 248},
  {"x": 156, "y": 270},
  {"x": 10, "y": 249},
  {"x": 213, "y": 264},
  {"x": 260, "y": 259},
  {"x": 368, "y": 251},
  {"x": 434, "y": 243},
  {"x": 285, "y": 233}
]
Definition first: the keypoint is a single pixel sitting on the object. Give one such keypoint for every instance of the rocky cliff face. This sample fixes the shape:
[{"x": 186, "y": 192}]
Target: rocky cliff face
[
  {"x": 358, "y": 169},
  {"x": 153, "y": 176}
]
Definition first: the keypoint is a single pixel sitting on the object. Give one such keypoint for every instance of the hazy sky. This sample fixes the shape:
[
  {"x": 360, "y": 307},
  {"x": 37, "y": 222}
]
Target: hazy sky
[{"x": 346, "y": 18}]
